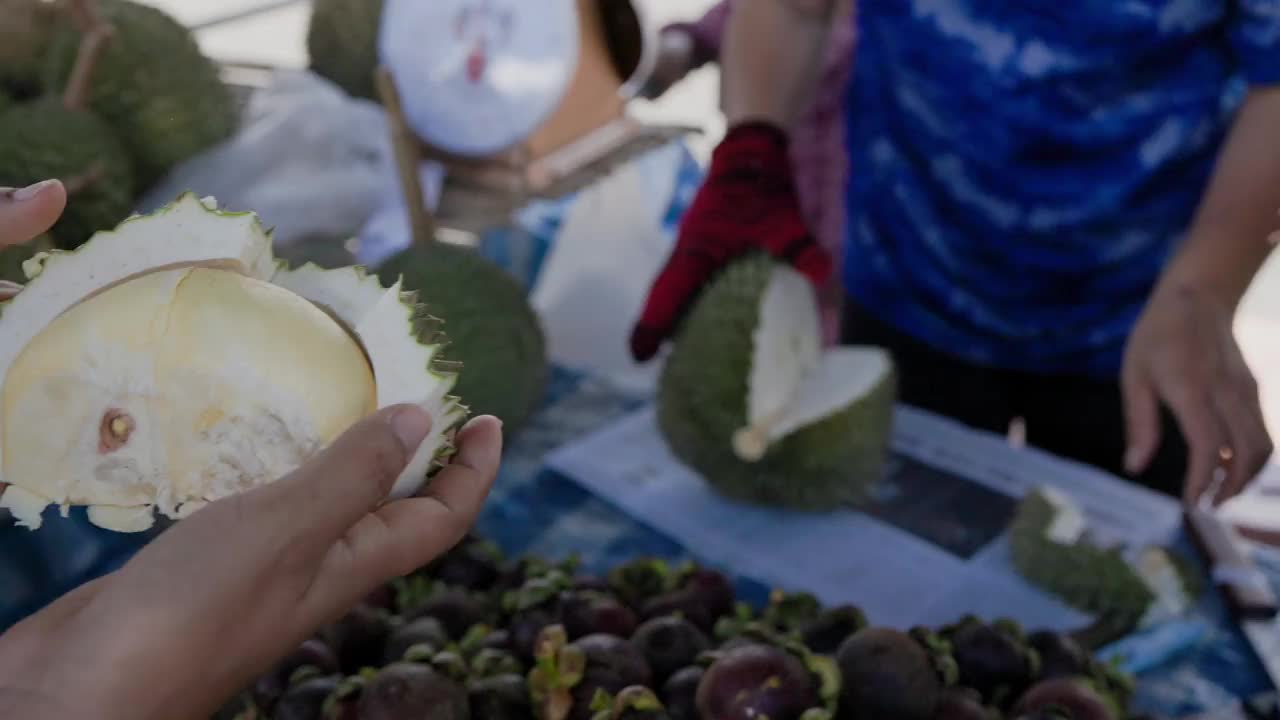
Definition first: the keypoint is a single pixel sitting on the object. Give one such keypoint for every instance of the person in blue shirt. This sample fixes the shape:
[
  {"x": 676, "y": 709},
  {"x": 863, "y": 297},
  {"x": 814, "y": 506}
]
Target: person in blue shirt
[
  {"x": 219, "y": 597},
  {"x": 1054, "y": 210}
]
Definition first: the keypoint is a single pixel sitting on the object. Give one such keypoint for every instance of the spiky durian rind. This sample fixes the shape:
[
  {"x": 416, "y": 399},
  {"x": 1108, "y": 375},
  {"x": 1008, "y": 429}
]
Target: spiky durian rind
[
  {"x": 702, "y": 402},
  {"x": 60, "y": 279},
  {"x": 1083, "y": 575}
]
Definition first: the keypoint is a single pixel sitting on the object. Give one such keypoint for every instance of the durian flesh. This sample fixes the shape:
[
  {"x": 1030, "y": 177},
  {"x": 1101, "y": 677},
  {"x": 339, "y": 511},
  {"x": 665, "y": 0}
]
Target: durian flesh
[
  {"x": 174, "y": 362},
  {"x": 751, "y": 400}
]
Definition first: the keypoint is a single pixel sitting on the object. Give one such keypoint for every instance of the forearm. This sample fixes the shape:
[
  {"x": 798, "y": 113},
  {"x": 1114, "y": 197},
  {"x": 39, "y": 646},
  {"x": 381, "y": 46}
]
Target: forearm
[
  {"x": 1228, "y": 241},
  {"x": 772, "y": 57}
]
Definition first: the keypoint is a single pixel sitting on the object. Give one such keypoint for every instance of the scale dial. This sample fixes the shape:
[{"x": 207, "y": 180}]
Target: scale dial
[{"x": 477, "y": 77}]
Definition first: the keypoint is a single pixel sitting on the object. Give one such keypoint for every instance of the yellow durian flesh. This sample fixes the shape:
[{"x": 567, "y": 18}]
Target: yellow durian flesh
[{"x": 179, "y": 386}]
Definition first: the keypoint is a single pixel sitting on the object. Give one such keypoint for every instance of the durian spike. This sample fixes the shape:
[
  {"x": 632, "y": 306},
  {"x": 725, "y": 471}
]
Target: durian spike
[{"x": 92, "y": 45}]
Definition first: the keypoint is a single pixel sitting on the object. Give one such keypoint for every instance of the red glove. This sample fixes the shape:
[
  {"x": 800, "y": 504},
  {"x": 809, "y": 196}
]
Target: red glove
[{"x": 747, "y": 202}]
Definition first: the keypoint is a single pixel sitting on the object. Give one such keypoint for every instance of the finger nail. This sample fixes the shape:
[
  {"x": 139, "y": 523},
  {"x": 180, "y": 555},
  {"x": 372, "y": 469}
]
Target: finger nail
[
  {"x": 410, "y": 426},
  {"x": 30, "y": 191}
]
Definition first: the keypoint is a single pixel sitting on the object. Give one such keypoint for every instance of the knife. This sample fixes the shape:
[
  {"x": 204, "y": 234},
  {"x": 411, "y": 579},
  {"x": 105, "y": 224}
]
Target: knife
[{"x": 1249, "y": 594}]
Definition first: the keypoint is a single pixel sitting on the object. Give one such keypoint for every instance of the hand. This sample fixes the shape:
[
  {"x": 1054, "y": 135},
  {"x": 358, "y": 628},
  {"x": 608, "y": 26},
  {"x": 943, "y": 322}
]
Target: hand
[
  {"x": 26, "y": 213},
  {"x": 221, "y": 595},
  {"x": 748, "y": 202},
  {"x": 1183, "y": 352}
]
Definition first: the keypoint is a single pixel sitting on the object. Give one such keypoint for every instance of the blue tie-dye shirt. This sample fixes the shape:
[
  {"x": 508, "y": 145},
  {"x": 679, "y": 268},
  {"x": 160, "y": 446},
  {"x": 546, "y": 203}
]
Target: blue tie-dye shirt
[{"x": 1022, "y": 169}]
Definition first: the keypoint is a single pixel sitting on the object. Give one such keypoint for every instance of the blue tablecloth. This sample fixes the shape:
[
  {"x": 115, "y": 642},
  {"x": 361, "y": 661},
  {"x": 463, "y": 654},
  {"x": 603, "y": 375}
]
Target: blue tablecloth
[{"x": 534, "y": 510}]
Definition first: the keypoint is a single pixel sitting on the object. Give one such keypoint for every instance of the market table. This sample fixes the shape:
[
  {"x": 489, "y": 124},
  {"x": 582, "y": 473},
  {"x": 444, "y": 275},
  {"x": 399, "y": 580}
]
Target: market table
[{"x": 535, "y": 510}]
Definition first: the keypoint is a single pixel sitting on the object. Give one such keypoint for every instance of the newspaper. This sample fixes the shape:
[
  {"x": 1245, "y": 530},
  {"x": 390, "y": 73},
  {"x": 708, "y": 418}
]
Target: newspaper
[{"x": 931, "y": 547}]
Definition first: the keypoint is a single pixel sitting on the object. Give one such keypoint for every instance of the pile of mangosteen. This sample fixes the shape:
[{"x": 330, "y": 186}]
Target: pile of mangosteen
[{"x": 477, "y": 636}]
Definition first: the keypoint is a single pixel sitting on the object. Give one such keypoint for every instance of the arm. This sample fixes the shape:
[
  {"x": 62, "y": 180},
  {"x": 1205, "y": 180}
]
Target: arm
[
  {"x": 764, "y": 79},
  {"x": 1228, "y": 240}
]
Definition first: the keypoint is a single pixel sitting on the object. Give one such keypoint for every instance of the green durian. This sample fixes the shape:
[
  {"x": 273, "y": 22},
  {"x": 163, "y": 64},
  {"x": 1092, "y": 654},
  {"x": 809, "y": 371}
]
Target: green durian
[
  {"x": 342, "y": 41},
  {"x": 26, "y": 28},
  {"x": 56, "y": 137},
  {"x": 155, "y": 87},
  {"x": 493, "y": 330},
  {"x": 749, "y": 399}
]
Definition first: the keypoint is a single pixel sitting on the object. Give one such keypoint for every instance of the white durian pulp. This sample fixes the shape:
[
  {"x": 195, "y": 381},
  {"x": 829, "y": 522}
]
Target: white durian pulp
[
  {"x": 174, "y": 362},
  {"x": 794, "y": 382},
  {"x": 214, "y": 372}
]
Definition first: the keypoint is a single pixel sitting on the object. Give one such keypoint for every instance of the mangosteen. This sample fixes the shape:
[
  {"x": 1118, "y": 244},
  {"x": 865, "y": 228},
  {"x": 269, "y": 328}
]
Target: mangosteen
[
  {"x": 313, "y": 654},
  {"x": 791, "y": 611},
  {"x": 500, "y": 697},
  {"x": 525, "y": 627},
  {"x": 497, "y": 640},
  {"x": 423, "y": 631},
  {"x": 1077, "y": 696},
  {"x": 887, "y": 675},
  {"x": 410, "y": 690},
  {"x": 473, "y": 564},
  {"x": 992, "y": 660},
  {"x": 713, "y": 590},
  {"x": 610, "y": 664},
  {"x": 755, "y": 681},
  {"x": 639, "y": 580},
  {"x": 359, "y": 637},
  {"x": 824, "y": 633},
  {"x": 586, "y": 612},
  {"x": 680, "y": 693},
  {"x": 305, "y": 700},
  {"x": 686, "y": 603},
  {"x": 669, "y": 643},
  {"x": 489, "y": 662},
  {"x": 344, "y": 702},
  {"x": 634, "y": 702},
  {"x": 961, "y": 703},
  {"x": 456, "y": 608},
  {"x": 382, "y": 597},
  {"x": 591, "y": 582},
  {"x": 1060, "y": 654}
]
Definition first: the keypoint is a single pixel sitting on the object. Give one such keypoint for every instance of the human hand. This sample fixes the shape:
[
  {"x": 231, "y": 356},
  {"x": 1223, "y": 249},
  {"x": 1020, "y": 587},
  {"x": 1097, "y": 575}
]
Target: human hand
[
  {"x": 748, "y": 202},
  {"x": 1183, "y": 353},
  {"x": 25, "y": 213},
  {"x": 215, "y": 600}
]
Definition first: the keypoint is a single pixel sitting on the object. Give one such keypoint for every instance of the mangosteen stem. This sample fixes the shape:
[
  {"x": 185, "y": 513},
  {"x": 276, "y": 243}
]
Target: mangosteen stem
[{"x": 92, "y": 45}]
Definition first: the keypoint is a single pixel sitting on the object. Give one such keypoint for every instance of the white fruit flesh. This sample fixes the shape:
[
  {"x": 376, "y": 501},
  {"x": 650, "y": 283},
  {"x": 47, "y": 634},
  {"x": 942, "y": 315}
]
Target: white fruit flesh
[
  {"x": 173, "y": 361},
  {"x": 793, "y": 382},
  {"x": 178, "y": 385}
]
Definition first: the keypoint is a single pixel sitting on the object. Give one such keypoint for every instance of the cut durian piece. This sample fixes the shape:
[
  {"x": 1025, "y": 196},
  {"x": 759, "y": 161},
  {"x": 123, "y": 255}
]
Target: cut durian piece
[
  {"x": 174, "y": 362},
  {"x": 1051, "y": 548},
  {"x": 751, "y": 400}
]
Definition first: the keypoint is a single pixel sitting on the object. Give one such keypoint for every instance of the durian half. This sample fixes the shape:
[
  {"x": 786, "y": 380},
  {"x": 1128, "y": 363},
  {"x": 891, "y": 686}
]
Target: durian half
[
  {"x": 174, "y": 361},
  {"x": 751, "y": 400}
]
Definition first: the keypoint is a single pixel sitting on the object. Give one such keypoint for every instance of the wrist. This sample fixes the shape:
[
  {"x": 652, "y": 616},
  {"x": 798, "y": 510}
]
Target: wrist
[{"x": 1207, "y": 276}]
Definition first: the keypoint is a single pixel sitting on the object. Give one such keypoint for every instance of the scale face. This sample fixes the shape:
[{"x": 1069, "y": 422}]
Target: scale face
[{"x": 478, "y": 76}]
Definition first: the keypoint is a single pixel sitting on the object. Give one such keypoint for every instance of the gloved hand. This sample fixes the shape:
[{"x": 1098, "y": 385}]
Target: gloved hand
[{"x": 748, "y": 202}]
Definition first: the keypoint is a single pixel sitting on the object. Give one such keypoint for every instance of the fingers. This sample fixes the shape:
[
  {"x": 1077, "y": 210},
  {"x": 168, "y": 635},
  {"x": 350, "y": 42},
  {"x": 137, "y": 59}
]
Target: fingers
[
  {"x": 1141, "y": 421},
  {"x": 27, "y": 212},
  {"x": 320, "y": 501},
  {"x": 1250, "y": 446},
  {"x": 404, "y": 535},
  {"x": 677, "y": 284},
  {"x": 8, "y": 290},
  {"x": 1204, "y": 432}
]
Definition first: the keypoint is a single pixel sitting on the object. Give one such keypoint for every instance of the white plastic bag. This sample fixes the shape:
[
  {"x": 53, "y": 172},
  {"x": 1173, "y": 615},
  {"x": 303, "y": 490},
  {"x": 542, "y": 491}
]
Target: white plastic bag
[{"x": 309, "y": 159}]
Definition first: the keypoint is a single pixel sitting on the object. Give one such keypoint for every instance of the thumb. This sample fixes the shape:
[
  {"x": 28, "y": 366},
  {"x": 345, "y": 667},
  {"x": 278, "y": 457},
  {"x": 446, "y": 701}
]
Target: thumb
[
  {"x": 30, "y": 211},
  {"x": 322, "y": 499},
  {"x": 1142, "y": 421}
]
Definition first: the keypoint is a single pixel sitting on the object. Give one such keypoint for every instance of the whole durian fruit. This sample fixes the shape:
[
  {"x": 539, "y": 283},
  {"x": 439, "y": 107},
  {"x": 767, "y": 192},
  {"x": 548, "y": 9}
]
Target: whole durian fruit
[
  {"x": 56, "y": 137},
  {"x": 342, "y": 41},
  {"x": 26, "y": 27},
  {"x": 493, "y": 330},
  {"x": 155, "y": 87},
  {"x": 749, "y": 399}
]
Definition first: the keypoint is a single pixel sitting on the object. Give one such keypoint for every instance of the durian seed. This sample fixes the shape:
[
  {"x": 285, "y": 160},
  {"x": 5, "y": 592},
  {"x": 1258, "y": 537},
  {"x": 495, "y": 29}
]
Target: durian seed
[{"x": 117, "y": 426}]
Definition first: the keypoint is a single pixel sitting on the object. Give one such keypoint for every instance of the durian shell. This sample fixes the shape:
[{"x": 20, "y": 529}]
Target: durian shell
[
  {"x": 492, "y": 328},
  {"x": 702, "y": 398}
]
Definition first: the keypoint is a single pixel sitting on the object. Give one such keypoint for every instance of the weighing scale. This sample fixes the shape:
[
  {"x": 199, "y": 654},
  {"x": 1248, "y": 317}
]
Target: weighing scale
[{"x": 518, "y": 100}]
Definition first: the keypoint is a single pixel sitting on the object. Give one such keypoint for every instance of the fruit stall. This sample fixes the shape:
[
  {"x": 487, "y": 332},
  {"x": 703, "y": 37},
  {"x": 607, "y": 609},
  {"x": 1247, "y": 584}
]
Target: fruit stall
[{"x": 718, "y": 543}]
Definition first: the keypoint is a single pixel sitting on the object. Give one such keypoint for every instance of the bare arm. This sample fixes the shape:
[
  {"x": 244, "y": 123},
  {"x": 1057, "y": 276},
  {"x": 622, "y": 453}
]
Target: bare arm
[
  {"x": 1228, "y": 241},
  {"x": 772, "y": 57}
]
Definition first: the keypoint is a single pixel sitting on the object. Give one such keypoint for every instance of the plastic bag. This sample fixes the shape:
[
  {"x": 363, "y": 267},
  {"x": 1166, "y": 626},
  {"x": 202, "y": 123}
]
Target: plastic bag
[{"x": 309, "y": 159}]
